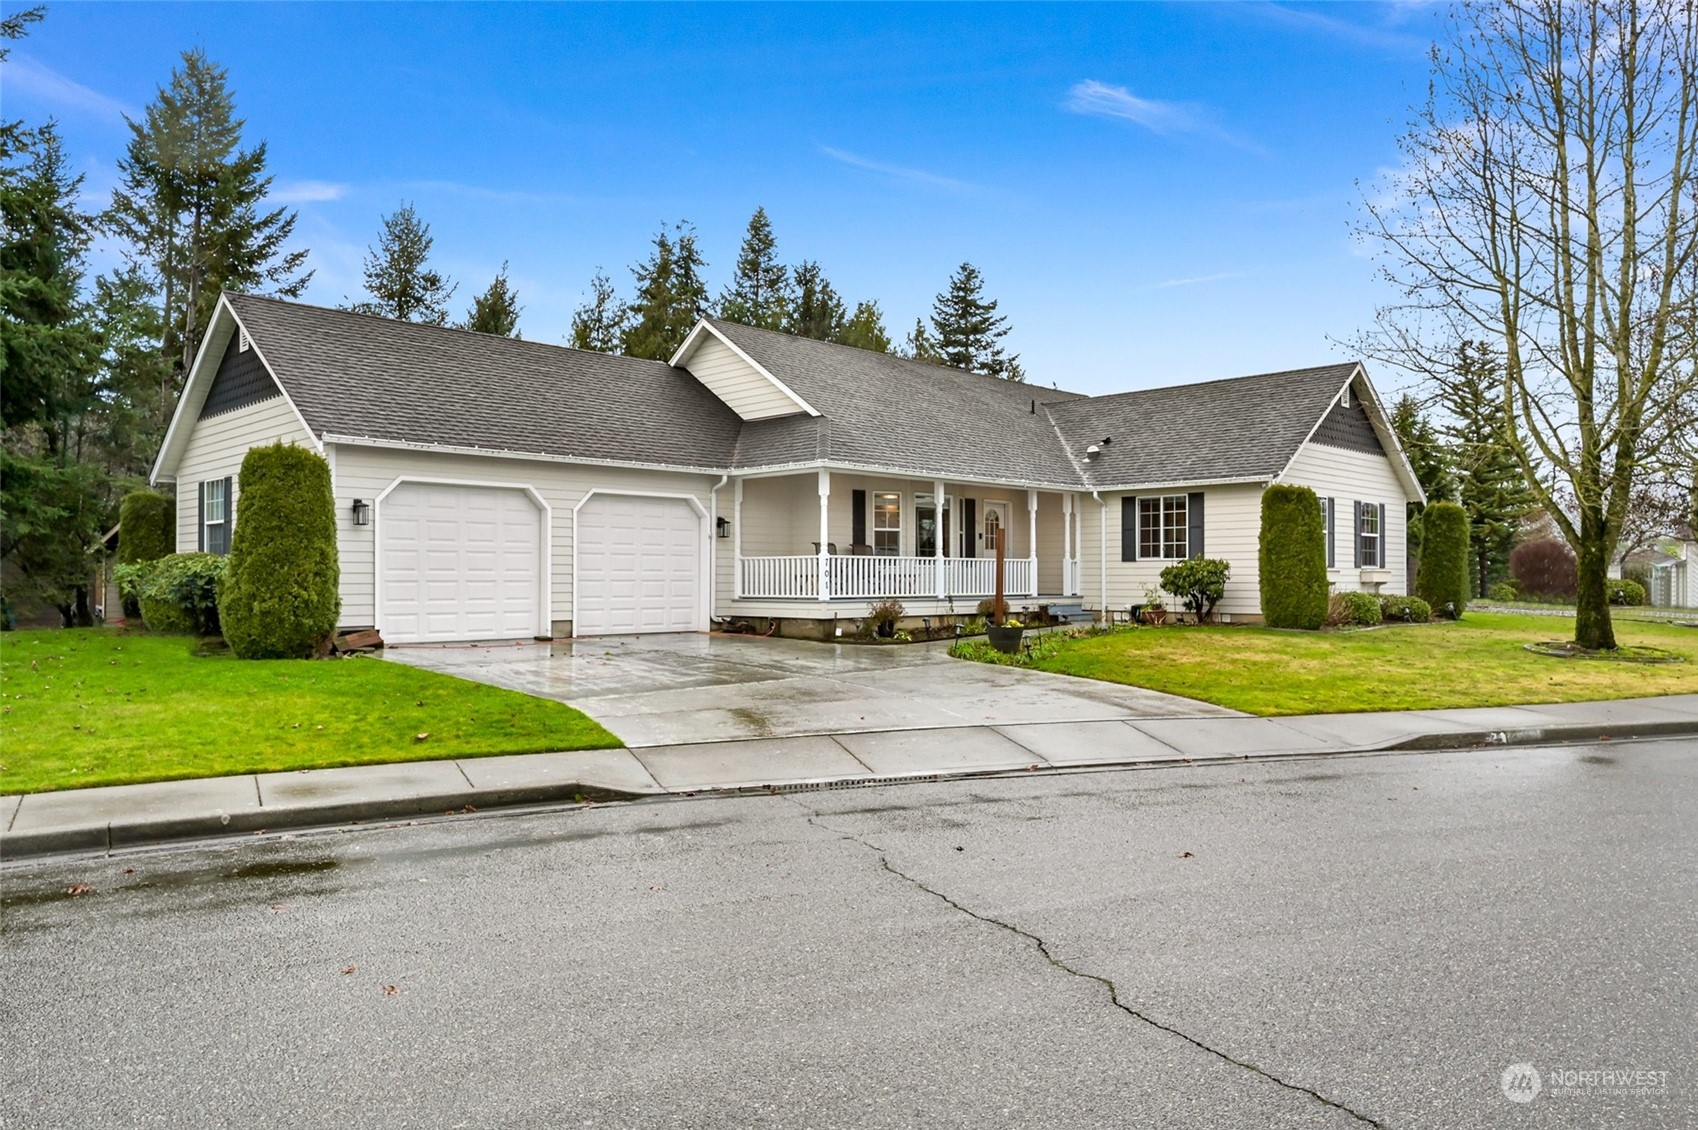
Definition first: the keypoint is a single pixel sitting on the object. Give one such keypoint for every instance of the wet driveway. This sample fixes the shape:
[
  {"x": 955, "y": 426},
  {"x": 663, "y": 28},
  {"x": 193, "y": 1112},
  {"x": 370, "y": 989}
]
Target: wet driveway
[{"x": 669, "y": 689}]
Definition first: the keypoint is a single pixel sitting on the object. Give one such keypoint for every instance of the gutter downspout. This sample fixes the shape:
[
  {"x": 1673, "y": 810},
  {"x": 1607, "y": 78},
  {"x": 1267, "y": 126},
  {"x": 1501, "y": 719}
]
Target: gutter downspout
[
  {"x": 713, "y": 546},
  {"x": 1102, "y": 551}
]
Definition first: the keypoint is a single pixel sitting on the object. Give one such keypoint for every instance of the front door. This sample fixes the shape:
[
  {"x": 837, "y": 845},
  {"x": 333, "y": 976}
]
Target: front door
[{"x": 996, "y": 528}]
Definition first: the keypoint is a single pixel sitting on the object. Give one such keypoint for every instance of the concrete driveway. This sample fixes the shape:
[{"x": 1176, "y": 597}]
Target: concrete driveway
[{"x": 669, "y": 689}]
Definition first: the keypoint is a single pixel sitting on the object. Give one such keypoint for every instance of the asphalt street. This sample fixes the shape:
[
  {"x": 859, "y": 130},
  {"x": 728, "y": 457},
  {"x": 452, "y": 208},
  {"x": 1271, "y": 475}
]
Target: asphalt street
[{"x": 1329, "y": 942}]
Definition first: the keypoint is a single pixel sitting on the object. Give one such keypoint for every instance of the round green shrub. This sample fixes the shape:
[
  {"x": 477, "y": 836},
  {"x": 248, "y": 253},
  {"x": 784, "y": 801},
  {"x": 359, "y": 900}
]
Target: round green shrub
[
  {"x": 147, "y": 531},
  {"x": 1358, "y": 609},
  {"x": 280, "y": 598},
  {"x": 1442, "y": 578},
  {"x": 179, "y": 594},
  {"x": 1407, "y": 609},
  {"x": 1292, "y": 554},
  {"x": 1503, "y": 591},
  {"x": 1626, "y": 593},
  {"x": 1199, "y": 581}
]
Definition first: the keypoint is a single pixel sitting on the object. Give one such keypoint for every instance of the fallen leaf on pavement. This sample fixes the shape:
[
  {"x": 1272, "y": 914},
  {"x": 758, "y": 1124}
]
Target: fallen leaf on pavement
[
  {"x": 279, "y": 906},
  {"x": 1186, "y": 855},
  {"x": 79, "y": 889},
  {"x": 391, "y": 990},
  {"x": 349, "y": 970}
]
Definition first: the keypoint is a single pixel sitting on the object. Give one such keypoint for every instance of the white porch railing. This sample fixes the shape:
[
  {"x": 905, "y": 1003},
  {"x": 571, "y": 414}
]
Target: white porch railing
[
  {"x": 781, "y": 576},
  {"x": 1070, "y": 577},
  {"x": 870, "y": 578}
]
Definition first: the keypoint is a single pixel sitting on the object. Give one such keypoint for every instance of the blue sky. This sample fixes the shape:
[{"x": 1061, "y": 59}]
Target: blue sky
[{"x": 1155, "y": 193}]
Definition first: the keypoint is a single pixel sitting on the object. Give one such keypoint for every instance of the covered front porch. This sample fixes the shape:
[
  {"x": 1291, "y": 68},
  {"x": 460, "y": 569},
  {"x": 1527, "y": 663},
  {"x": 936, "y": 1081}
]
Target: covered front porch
[{"x": 837, "y": 536}]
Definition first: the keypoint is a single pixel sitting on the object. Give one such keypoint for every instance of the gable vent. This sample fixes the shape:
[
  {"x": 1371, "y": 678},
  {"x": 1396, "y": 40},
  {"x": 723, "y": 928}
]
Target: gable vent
[{"x": 243, "y": 343}]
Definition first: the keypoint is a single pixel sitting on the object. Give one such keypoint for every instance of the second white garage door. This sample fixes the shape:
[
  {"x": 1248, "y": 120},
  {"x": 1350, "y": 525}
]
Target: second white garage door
[
  {"x": 639, "y": 565},
  {"x": 459, "y": 563}
]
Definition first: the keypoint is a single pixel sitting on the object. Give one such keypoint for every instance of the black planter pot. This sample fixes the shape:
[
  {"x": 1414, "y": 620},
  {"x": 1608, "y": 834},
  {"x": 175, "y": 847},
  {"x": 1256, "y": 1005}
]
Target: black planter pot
[{"x": 1005, "y": 640}]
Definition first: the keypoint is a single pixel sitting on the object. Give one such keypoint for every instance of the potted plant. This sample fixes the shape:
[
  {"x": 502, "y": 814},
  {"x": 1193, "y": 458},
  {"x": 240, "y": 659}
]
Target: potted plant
[{"x": 1155, "y": 607}]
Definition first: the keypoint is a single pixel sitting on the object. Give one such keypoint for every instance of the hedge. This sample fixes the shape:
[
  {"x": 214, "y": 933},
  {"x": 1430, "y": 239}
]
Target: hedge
[
  {"x": 179, "y": 593},
  {"x": 1407, "y": 609},
  {"x": 1442, "y": 577},
  {"x": 279, "y": 599},
  {"x": 147, "y": 531},
  {"x": 1361, "y": 609},
  {"x": 1292, "y": 554},
  {"x": 1625, "y": 592}
]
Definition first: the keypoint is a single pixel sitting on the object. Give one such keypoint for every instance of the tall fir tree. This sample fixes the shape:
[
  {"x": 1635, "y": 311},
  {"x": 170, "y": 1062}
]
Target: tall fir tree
[
  {"x": 967, "y": 331},
  {"x": 1428, "y": 458},
  {"x": 920, "y": 345},
  {"x": 189, "y": 211},
  {"x": 760, "y": 294},
  {"x": 1490, "y": 484},
  {"x": 864, "y": 328},
  {"x": 816, "y": 310},
  {"x": 671, "y": 296},
  {"x": 496, "y": 310},
  {"x": 398, "y": 276},
  {"x": 599, "y": 324}
]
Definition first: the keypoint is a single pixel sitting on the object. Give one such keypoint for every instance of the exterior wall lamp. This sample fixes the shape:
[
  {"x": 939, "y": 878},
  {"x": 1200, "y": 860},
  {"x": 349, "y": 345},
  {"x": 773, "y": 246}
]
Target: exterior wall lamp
[
  {"x": 362, "y": 512},
  {"x": 724, "y": 525}
]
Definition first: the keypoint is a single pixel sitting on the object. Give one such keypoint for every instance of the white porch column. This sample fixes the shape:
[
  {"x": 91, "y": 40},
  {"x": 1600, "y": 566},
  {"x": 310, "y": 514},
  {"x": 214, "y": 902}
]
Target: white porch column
[
  {"x": 825, "y": 534},
  {"x": 1066, "y": 543},
  {"x": 937, "y": 539},
  {"x": 1032, "y": 536},
  {"x": 737, "y": 538}
]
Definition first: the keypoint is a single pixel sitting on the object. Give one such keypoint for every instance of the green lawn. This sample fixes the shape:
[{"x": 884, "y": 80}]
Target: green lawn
[
  {"x": 1477, "y": 661},
  {"x": 110, "y": 707}
]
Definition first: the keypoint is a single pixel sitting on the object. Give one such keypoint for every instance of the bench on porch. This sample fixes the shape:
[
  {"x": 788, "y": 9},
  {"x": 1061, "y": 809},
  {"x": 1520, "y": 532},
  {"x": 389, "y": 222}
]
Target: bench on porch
[{"x": 1066, "y": 613}]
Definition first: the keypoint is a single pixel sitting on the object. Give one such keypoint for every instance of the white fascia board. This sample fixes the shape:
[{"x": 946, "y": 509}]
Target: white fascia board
[
  {"x": 529, "y": 456},
  {"x": 680, "y": 360}
]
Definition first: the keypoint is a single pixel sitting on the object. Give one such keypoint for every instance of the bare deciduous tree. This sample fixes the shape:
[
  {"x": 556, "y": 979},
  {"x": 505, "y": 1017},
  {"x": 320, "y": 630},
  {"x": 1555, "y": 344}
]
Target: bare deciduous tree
[{"x": 1547, "y": 203}]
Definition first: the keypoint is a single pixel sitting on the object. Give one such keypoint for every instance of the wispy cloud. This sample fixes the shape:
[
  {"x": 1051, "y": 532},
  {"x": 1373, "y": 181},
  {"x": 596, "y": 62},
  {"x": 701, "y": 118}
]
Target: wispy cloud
[
  {"x": 1365, "y": 35},
  {"x": 25, "y": 76},
  {"x": 1195, "y": 279},
  {"x": 483, "y": 192},
  {"x": 1101, "y": 100},
  {"x": 915, "y": 176},
  {"x": 307, "y": 192}
]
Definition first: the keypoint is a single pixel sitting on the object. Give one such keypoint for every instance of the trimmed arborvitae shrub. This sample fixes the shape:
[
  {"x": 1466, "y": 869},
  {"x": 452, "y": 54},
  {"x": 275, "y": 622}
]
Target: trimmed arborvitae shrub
[
  {"x": 1545, "y": 570},
  {"x": 147, "y": 531},
  {"x": 279, "y": 599},
  {"x": 1442, "y": 578},
  {"x": 1293, "y": 559}
]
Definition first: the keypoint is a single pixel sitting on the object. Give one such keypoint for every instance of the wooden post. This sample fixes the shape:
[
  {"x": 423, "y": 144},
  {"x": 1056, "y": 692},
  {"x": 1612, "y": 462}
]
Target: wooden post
[{"x": 1001, "y": 541}]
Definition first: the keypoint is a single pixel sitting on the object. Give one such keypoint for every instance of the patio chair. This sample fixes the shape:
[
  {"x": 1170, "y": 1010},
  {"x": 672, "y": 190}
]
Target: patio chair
[
  {"x": 830, "y": 547},
  {"x": 860, "y": 549}
]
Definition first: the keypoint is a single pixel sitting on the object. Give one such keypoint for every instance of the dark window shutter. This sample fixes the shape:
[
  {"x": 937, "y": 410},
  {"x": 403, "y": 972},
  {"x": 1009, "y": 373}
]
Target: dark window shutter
[
  {"x": 858, "y": 522},
  {"x": 200, "y": 517},
  {"x": 229, "y": 534},
  {"x": 1129, "y": 528},
  {"x": 1356, "y": 530},
  {"x": 1331, "y": 515},
  {"x": 1384, "y": 556},
  {"x": 1194, "y": 524},
  {"x": 969, "y": 527}
]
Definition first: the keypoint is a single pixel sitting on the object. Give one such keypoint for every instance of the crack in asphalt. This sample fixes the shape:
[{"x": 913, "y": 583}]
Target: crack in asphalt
[{"x": 818, "y": 821}]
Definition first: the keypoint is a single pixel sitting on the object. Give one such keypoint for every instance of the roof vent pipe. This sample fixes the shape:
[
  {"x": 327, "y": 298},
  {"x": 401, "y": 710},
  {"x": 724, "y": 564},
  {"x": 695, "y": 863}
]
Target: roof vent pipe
[{"x": 1034, "y": 407}]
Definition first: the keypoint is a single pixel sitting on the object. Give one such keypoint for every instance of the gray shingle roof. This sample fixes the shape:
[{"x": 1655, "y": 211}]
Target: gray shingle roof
[
  {"x": 369, "y": 377},
  {"x": 886, "y": 411},
  {"x": 1242, "y": 428}
]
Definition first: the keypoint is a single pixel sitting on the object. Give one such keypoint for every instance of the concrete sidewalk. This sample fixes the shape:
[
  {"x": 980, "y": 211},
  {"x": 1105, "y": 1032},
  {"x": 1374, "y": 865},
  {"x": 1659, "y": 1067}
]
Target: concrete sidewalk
[{"x": 105, "y": 819}]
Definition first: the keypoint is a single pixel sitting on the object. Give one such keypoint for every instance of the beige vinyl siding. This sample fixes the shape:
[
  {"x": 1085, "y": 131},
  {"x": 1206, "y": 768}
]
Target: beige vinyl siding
[
  {"x": 215, "y": 449},
  {"x": 1231, "y": 523},
  {"x": 366, "y": 472},
  {"x": 743, "y": 388},
  {"x": 1356, "y": 476}
]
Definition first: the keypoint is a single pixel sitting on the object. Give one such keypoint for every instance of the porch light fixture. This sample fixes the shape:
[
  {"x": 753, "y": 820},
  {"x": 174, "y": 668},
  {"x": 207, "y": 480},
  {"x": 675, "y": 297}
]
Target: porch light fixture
[
  {"x": 724, "y": 525},
  {"x": 362, "y": 512}
]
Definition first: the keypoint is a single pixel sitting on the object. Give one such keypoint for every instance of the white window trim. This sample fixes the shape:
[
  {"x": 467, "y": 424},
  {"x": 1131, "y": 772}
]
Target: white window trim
[
  {"x": 987, "y": 507},
  {"x": 207, "y": 524},
  {"x": 876, "y": 529},
  {"x": 1371, "y": 541},
  {"x": 1163, "y": 544}
]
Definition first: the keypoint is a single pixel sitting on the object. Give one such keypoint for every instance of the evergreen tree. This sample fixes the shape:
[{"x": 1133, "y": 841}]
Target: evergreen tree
[
  {"x": 599, "y": 324},
  {"x": 671, "y": 296},
  {"x": 496, "y": 310},
  {"x": 1427, "y": 458},
  {"x": 816, "y": 310},
  {"x": 920, "y": 346},
  {"x": 759, "y": 294},
  {"x": 188, "y": 207},
  {"x": 398, "y": 276},
  {"x": 865, "y": 328},
  {"x": 54, "y": 499},
  {"x": 967, "y": 331},
  {"x": 1491, "y": 487}
]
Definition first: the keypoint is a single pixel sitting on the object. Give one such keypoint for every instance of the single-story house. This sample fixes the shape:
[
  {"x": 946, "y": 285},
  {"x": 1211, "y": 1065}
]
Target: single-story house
[
  {"x": 1674, "y": 571},
  {"x": 491, "y": 488}
]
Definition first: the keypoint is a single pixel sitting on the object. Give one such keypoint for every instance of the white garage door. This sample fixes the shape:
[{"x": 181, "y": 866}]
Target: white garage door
[
  {"x": 638, "y": 566},
  {"x": 459, "y": 563}
]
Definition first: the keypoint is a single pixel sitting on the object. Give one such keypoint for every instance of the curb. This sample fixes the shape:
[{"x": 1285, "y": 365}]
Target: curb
[{"x": 105, "y": 838}]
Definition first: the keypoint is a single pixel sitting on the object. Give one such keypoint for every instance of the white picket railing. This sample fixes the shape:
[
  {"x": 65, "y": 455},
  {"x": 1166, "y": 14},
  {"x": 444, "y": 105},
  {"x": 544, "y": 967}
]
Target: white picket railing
[
  {"x": 781, "y": 577},
  {"x": 870, "y": 578}
]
